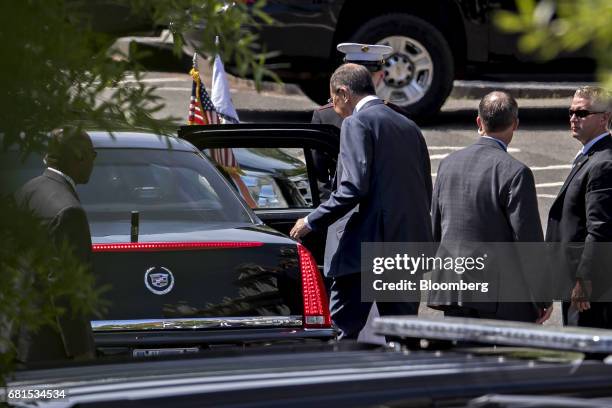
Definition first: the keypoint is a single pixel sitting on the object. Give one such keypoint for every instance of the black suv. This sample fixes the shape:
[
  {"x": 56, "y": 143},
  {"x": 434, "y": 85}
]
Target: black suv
[{"x": 434, "y": 42}]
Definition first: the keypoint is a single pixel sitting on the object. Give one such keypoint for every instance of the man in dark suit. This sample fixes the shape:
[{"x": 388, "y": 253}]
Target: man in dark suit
[
  {"x": 53, "y": 199},
  {"x": 380, "y": 169},
  {"x": 372, "y": 57},
  {"x": 482, "y": 194},
  {"x": 582, "y": 212}
]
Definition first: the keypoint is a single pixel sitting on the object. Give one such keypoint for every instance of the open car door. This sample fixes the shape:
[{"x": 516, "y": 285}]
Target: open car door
[{"x": 282, "y": 171}]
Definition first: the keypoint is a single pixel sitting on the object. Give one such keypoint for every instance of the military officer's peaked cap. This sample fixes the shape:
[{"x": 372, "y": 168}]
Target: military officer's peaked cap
[{"x": 371, "y": 56}]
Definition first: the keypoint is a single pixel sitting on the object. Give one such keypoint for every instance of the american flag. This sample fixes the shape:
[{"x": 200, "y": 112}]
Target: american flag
[{"x": 203, "y": 112}]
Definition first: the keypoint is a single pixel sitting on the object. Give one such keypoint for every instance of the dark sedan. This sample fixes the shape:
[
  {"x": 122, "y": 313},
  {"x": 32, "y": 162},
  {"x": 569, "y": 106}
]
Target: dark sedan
[{"x": 202, "y": 269}]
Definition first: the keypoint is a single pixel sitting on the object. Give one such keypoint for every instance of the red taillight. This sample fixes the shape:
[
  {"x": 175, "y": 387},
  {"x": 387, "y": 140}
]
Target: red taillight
[
  {"x": 316, "y": 308},
  {"x": 170, "y": 246}
]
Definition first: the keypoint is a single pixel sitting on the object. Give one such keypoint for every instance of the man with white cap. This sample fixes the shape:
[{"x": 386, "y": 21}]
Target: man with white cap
[{"x": 371, "y": 57}]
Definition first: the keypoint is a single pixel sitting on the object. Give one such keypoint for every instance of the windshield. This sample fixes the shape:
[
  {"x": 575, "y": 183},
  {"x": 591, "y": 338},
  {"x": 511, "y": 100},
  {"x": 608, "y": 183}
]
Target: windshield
[
  {"x": 174, "y": 186},
  {"x": 173, "y": 191}
]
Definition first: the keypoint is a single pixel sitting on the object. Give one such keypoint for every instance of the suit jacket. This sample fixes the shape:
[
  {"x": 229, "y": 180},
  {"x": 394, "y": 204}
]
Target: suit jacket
[
  {"x": 382, "y": 169},
  {"x": 327, "y": 115},
  {"x": 55, "y": 202},
  {"x": 483, "y": 194},
  {"x": 582, "y": 213}
]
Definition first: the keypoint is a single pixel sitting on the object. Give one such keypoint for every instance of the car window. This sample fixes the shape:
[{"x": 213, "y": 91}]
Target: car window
[
  {"x": 173, "y": 191},
  {"x": 267, "y": 178},
  {"x": 162, "y": 185}
]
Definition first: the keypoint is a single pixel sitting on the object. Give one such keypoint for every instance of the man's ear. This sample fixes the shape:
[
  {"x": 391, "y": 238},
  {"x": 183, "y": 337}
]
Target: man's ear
[
  {"x": 343, "y": 93},
  {"x": 480, "y": 126},
  {"x": 607, "y": 117}
]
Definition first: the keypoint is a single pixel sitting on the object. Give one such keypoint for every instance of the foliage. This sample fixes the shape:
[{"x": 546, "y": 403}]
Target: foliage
[
  {"x": 55, "y": 68},
  {"x": 549, "y": 27},
  {"x": 32, "y": 273},
  {"x": 234, "y": 23},
  {"x": 55, "y": 71}
]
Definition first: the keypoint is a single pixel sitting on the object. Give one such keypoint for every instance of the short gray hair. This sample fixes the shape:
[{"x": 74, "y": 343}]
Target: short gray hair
[
  {"x": 355, "y": 77},
  {"x": 599, "y": 97},
  {"x": 497, "y": 110}
]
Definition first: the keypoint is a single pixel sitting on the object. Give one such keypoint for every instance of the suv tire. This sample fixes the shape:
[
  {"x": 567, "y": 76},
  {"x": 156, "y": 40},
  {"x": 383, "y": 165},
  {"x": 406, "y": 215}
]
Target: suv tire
[{"x": 419, "y": 74}]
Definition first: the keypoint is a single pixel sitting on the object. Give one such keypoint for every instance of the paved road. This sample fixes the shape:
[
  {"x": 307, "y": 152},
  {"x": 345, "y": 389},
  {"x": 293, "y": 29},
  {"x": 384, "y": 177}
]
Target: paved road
[{"x": 542, "y": 142}]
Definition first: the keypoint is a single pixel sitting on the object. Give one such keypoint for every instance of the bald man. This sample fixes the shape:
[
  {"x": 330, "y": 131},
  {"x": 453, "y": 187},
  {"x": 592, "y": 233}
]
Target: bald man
[{"x": 52, "y": 197}]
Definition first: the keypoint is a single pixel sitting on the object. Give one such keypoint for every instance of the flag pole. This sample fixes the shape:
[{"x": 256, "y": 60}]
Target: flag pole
[{"x": 235, "y": 173}]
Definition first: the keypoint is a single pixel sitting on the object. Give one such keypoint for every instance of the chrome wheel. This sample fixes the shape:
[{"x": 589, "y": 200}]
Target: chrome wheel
[{"x": 408, "y": 71}]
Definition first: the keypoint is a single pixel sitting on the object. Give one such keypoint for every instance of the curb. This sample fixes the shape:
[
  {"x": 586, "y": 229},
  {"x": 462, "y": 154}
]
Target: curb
[{"x": 525, "y": 90}]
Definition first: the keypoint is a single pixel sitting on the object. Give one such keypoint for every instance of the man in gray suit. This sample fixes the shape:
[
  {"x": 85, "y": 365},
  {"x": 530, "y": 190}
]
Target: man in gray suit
[
  {"x": 482, "y": 194},
  {"x": 53, "y": 199},
  {"x": 381, "y": 169}
]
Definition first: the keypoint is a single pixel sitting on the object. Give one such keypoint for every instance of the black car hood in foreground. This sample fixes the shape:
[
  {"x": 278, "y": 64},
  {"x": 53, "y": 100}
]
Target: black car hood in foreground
[{"x": 342, "y": 375}]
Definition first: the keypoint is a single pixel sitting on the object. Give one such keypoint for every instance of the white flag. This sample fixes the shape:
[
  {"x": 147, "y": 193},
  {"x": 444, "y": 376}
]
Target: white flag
[{"x": 220, "y": 94}]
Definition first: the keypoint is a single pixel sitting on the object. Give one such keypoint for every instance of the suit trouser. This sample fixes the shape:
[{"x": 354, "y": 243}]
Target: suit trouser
[{"x": 350, "y": 314}]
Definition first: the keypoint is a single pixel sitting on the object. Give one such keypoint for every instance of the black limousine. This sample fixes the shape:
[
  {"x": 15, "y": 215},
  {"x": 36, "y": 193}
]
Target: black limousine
[{"x": 189, "y": 264}]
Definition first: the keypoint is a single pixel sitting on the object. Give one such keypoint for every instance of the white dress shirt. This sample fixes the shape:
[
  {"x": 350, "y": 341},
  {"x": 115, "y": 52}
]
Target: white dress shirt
[{"x": 67, "y": 177}]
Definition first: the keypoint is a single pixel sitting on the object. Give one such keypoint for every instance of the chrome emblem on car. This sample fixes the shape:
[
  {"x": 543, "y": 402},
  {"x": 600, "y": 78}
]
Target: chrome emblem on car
[{"x": 159, "y": 280}]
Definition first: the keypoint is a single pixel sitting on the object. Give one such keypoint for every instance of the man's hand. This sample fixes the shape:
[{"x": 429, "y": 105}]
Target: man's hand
[
  {"x": 299, "y": 229},
  {"x": 545, "y": 313},
  {"x": 581, "y": 295}
]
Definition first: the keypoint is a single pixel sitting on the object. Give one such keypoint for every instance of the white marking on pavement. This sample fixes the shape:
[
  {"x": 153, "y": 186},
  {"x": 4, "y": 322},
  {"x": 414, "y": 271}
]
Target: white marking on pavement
[
  {"x": 543, "y": 185},
  {"x": 155, "y": 80},
  {"x": 553, "y": 167},
  {"x": 438, "y": 156},
  {"x": 510, "y": 149},
  {"x": 547, "y": 195},
  {"x": 445, "y": 147},
  {"x": 172, "y": 88}
]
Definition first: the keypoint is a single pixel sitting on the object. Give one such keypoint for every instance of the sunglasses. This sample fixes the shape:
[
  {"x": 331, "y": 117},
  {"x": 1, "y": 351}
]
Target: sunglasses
[{"x": 581, "y": 113}]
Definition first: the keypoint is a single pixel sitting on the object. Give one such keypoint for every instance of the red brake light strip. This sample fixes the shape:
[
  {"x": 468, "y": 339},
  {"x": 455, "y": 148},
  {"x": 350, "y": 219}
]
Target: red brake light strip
[{"x": 170, "y": 246}]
